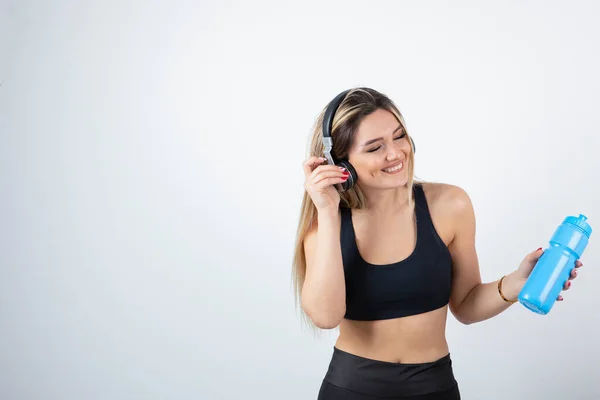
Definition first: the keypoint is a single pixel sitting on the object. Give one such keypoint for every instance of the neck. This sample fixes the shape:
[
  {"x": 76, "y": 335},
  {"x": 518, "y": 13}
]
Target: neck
[{"x": 384, "y": 202}]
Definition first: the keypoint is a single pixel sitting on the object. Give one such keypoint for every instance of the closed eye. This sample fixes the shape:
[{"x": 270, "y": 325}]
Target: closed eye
[{"x": 402, "y": 136}]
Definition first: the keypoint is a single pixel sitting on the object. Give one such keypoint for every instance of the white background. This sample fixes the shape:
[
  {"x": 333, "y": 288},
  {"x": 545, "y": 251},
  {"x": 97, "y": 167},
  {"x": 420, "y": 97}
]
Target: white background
[{"x": 150, "y": 176}]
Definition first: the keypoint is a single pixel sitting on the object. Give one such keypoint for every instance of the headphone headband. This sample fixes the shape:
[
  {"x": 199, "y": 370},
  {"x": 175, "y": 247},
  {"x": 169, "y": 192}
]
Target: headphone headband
[
  {"x": 328, "y": 141},
  {"x": 330, "y": 112}
]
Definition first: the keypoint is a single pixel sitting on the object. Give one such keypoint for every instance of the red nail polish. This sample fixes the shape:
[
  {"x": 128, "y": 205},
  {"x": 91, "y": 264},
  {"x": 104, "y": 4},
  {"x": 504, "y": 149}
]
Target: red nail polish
[
  {"x": 569, "y": 284},
  {"x": 539, "y": 249}
]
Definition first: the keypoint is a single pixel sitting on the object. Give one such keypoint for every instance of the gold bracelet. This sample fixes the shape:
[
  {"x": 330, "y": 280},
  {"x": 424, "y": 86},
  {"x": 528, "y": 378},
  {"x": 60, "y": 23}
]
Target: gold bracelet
[{"x": 500, "y": 291}]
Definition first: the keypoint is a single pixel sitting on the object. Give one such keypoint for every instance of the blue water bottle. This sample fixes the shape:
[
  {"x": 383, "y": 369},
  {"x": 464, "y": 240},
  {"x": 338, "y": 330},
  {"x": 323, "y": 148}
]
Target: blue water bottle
[{"x": 554, "y": 267}]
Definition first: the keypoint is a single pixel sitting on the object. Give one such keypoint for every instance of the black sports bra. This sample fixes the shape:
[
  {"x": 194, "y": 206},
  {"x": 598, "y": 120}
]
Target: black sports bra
[{"x": 419, "y": 283}]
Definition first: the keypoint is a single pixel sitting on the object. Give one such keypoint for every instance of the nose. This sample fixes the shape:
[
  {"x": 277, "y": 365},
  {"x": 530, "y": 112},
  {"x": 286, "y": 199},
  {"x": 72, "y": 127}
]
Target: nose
[{"x": 394, "y": 151}]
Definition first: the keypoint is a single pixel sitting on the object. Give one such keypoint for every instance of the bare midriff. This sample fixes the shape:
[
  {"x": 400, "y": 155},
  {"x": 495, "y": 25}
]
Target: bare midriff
[{"x": 412, "y": 339}]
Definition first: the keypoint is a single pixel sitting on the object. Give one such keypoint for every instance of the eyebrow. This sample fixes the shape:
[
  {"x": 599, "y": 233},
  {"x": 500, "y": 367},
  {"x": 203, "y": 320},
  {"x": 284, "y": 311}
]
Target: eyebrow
[{"x": 368, "y": 142}]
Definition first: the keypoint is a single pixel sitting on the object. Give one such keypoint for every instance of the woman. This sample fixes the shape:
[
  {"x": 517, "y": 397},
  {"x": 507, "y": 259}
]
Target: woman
[{"x": 384, "y": 257}]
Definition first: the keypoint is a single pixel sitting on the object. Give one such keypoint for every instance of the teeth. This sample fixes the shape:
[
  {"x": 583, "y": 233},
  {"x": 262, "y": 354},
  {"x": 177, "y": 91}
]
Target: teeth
[{"x": 396, "y": 168}]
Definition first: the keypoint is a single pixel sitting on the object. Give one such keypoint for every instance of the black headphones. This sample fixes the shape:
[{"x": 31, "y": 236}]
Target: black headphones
[{"x": 328, "y": 143}]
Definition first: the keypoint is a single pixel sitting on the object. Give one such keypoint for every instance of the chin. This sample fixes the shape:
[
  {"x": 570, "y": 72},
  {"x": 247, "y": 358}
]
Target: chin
[
  {"x": 386, "y": 182},
  {"x": 397, "y": 184}
]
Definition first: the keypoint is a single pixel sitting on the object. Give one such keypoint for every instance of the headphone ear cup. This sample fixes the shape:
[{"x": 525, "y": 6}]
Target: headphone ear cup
[
  {"x": 412, "y": 142},
  {"x": 352, "y": 178}
]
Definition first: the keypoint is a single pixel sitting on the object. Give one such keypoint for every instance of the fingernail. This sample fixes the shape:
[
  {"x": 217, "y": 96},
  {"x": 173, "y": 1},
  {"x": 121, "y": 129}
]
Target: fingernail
[
  {"x": 575, "y": 273},
  {"x": 569, "y": 284},
  {"x": 539, "y": 249},
  {"x": 342, "y": 168}
]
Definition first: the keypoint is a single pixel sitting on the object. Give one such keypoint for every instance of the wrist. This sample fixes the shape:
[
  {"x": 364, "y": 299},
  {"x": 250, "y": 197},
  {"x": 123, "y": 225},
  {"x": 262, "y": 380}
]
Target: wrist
[
  {"x": 328, "y": 217},
  {"x": 511, "y": 286}
]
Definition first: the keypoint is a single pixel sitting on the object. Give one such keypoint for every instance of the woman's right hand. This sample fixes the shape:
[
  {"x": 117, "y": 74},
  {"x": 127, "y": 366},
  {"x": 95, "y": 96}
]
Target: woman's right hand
[{"x": 320, "y": 181}]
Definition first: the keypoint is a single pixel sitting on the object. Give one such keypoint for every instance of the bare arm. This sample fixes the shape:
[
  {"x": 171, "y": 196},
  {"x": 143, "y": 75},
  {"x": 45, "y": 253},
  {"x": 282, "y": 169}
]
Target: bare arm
[
  {"x": 471, "y": 301},
  {"x": 324, "y": 291}
]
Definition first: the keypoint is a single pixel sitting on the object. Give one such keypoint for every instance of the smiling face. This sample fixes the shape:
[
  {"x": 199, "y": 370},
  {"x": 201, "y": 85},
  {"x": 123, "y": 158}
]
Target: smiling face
[{"x": 380, "y": 152}]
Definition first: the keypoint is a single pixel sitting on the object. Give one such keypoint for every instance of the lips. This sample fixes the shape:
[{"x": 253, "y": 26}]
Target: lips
[{"x": 393, "y": 165}]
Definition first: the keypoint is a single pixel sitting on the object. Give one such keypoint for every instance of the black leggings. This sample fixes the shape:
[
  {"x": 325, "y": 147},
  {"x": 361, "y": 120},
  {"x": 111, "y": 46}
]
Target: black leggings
[
  {"x": 351, "y": 377},
  {"x": 331, "y": 392}
]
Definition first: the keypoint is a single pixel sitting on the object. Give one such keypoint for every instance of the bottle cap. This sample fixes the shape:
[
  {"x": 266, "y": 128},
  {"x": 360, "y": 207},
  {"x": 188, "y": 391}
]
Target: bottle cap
[{"x": 580, "y": 222}]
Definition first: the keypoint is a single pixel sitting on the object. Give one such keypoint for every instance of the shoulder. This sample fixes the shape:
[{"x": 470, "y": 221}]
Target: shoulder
[
  {"x": 448, "y": 199},
  {"x": 450, "y": 209}
]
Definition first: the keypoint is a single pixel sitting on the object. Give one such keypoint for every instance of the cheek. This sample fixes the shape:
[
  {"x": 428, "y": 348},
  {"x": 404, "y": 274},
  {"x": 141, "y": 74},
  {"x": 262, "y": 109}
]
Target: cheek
[{"x": 365, "y": 167}]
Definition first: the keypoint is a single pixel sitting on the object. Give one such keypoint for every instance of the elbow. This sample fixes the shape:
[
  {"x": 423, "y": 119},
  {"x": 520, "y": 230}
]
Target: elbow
[
  {"x": 461, "y": 317},
  {"x": 324, "y": 319},
  {"x": 465, "y": 321},
  {"x": 327, "y": 322}
]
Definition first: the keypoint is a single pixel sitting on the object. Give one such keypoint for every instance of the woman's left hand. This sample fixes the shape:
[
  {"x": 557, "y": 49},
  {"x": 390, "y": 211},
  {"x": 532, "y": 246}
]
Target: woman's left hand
[{"x": 527, "y": 265}]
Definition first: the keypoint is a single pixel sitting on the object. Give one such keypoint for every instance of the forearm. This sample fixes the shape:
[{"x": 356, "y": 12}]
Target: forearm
[
  {"x": 484, "y": 301},
  {"x": 324, "y": 291}
]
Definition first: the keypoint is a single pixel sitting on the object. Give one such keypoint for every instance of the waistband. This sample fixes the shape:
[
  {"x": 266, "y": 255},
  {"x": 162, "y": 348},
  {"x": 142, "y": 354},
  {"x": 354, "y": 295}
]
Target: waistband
[{"x": 387, "y": 379}]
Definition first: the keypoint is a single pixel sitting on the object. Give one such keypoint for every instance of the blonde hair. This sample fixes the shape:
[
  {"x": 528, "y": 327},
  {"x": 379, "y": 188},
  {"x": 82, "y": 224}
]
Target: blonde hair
[{"x": 358, "y": 103}]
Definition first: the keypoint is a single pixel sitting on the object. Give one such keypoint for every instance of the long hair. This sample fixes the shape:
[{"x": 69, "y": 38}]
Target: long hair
[{"x": 358, "y": 103}]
